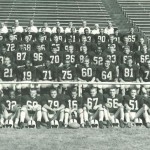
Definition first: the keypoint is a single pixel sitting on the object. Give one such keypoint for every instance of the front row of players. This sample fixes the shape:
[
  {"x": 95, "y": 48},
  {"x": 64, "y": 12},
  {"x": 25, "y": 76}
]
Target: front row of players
[{"x": 58, "y": 110}]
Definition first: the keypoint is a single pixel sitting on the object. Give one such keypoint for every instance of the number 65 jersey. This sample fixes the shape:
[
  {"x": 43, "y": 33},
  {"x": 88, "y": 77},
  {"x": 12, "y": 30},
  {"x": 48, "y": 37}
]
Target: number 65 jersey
[
  {"x": 92, "y": 101},
  {"x": 134, "y": 103}
]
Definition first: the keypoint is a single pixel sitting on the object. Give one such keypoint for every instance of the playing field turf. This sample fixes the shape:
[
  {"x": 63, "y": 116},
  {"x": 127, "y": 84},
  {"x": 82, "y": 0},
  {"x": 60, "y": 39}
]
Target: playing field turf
[{"x": 137, "y": 138}]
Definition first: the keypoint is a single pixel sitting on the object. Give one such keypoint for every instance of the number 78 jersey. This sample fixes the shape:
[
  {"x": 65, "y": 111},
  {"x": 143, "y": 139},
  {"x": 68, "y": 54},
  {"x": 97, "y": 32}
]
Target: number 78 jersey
[
  {"x": 91, "y": 102},
  {"x": 134, "y": 103}
]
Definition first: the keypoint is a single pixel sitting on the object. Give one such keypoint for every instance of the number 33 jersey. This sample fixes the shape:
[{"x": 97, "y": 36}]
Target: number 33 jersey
[{"x": 134, "y": 103}]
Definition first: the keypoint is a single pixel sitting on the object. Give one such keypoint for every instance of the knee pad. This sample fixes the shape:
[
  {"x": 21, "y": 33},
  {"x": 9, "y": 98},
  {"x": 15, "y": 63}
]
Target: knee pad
[
  {"x": 67, "y": 110},
  {"x": 140, "y": 121},
  {"x": 24, "y": 108},
  {"x": 117, "y": 121},
  {"x": 84, "y": 109},
  {"x": 80, "y": 111},
  {"x": 54, "y": 123},
  {"x": 44, "y": 109},
  {"x": 38, "y": 108}
]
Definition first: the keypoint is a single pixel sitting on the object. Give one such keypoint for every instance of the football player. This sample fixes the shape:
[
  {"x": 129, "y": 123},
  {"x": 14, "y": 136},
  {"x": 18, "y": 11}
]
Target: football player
[
  {"x": 55, "y": 57},
  {"x": 70, "y": 26},
  {"x": 133, "y": 104},
  {"x": 27, "y": 43},
  {"x": 57, "y": 26},
  {"x": 73, "y": 109},
  {"x": 142, "y": 56},
  {"x": 18, "y": 28},
  {"x": 93, "y": 109},
  {"x": 31, "y": 110},
  {"x": 47, "y": 29},
  {"x": 46, "y": 35},
  {"x": 11, "y": 106},
  {"x": 132, "y": 36},
  {"x": 96, "y": 29},
  {"x": 114, "y": 104},
  {"x": 32, "y": 27},
  {"x": 129, "y": 72},
  {"x": 53, "y": 106},
  {"x": 88, "y": 35},
  {"x": 106, "y": 73},
  {"x": 117, "y": 35},
  {"x": 84, "y": 26}
]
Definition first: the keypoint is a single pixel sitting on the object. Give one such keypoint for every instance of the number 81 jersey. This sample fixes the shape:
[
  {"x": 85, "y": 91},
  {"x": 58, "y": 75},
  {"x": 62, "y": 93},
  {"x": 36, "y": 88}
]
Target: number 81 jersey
[{"x": 134, "y": 103}]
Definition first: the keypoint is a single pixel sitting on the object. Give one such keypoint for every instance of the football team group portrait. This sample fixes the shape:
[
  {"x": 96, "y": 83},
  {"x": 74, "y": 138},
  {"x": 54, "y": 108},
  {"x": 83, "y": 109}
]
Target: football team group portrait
[{"x": 85, "y": 73}]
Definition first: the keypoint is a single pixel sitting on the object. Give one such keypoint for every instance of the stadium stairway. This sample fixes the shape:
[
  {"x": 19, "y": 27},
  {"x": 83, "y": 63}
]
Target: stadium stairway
[{"x": 51, "y": 11}]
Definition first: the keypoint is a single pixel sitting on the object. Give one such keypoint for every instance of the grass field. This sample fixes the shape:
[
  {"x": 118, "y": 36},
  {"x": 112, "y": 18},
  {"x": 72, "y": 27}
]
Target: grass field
[{"x": 137, "y": 138}]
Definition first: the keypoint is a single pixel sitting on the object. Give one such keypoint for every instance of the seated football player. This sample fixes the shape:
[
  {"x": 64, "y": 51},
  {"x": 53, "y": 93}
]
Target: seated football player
[
  {"x": 31, "y": 110},
  {"x": 88, "y": 35},
  {"x": 8, "y": 73},
  {"x": 21, "y": 55},
  {"x": 73, "y": 35},
  {"x": 86, "y": 73},
  {"x": 145, "y": 76},
  {"x": 84, "y": 26},
  {"x": 53, "y": 106},
  {"x": 11, "y": 43},
  {"x": 142, "y": 56},
  {"x": 27, "y": 43},
  {"x": 67, "y": 73},
  {"x": 11, "y": 106},
  {"x": 40, "y": 41},
  {"x": 129, "y": 72},
  {"x": 138, "y": 45},
  {"x": 26, "y": 74},
  {"x": 61, "y": 36},
  {"x": 38, "y": 56},
  {"x": 114, "y": 105},
  {"x": 46, "y": 73},
  {"x": 106, "y": 73},
  {"x": 46, "y": 35},
  {"x": 74, "y": 109},
  {"x": 56, "y": 43},
  {"x": 133, "y": 105},
  {"x": 93, "y": 110},
  {"x": 126, "y": 54},
  {"x": 71, "y": 55},
  {"x": 101, "y": 36},
  {"x": 55, "y": 57}
]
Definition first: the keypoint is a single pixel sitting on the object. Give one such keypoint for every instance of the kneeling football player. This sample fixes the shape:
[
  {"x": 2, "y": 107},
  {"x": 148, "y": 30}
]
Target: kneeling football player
[
  {"x": 11, "y": 109},
  {"x": 113, "y": 103},
  {"x": 133, "y": 104},
  {"x": 73, "y": 109},
  {"x": 53, "y": 109},
  {"x": 93, "y": 109},
  {"x": 31, "y": 110}
]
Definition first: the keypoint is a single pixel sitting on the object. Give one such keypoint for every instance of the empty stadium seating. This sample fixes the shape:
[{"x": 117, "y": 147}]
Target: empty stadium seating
[
  {"x": 137, "y": 12},
  {"x": 52, "y": 11}
]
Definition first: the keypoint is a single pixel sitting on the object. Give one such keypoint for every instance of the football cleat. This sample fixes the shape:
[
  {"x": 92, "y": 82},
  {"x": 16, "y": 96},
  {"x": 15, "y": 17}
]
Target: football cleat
[
  {"x": 87, "y": 124},
  {"x": 138, "y": 124},
  {"x": 38, "y": 125},
  {"x": 82, "y": 125},
  {"x": 148, "y": 125},
  {"x": 115, "y": 124},
  {"x": 21, "y": 125},
  {"x": 109, "y": 124},
  {"x": 129, "y": 125},
  {"x": 48, "y": 125},
  {"x": 101, "y": 126},
  {"x": 122, "y": 125},
  {"x": 16, "y": 126},
  {"x": 60, "y": 124}
]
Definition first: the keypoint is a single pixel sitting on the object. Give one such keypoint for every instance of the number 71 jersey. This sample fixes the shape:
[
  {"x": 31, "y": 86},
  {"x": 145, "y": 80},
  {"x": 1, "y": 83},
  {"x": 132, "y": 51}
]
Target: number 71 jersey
[{"x": 134, "y": 103}]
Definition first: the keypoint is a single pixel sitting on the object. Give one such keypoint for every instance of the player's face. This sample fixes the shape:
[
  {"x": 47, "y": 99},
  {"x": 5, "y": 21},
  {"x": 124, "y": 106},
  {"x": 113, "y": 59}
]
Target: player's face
[
  {"x": 31, "y": 22},
  {"x": 70, "y": 24},
  {"x": 112, "y": 92},
  {"x": 13, "y": 30},
  {"x": 45, "y": 24},
  {"x": 56, "y": 38},
  {"x": 112, "y": 50},
  {"x": 11, "y": 37},
  {"x": 116, "y": 32},
  {"x": 67, "y": 63},
  {"x": 129, "y": 62},
  {"x": 107, "y": 63},
  {"x": 83, "y": 39},
  {"x": 133, "y": 93},
  {"x": 126, "y": 40},
  {"x": 33, "y": 93},
  {"x": 4, "y": 50},
  {"x": 7, "y": 61},
  {"x": 27, "y": 38},
  {"x": 86, "y": 31},
  {"x": 86, "y": 62},
  {"x": 84, "y": 23},
  {"x": 12, "y": 94},
  {"x": 74, "y": 95},
  {"x": 144, "y": 49},
  {"x": 148, "y": 64},
  {"x": 21, "y": 47},
  {"x": 71, "y": 49},
  {"x": 54, "y": 50},
  {"x": 99, "y": 50},
  {"x": 96, "y": 26},
  {"x": 41, "y": 38},
  {"x": 43, "y": 30},
  {"x": 58, "y": 30},
  {"x": 16, "y": 23},
  {"x": 93, "y": 92},
  {"x": 101, "y": 31},
  {"x": 28, "y": 63},
  {"x": 57, "y": 24},
  {"x": 84, "y": 49},
  {"x": 73, "y": 30},
  {"x": 47, "y": 63},
  {"x": 109, "y": 24},
  {"x": 127, "y": 50},
  {"x": 111, "y": 39},
  {"x": 38, "y": 47},
  {"x": 132, "y": 30},
  {"x": 69, "y": 40},
  {"x": 53, "y": 94},
  {"x": 141, "y": 40}
]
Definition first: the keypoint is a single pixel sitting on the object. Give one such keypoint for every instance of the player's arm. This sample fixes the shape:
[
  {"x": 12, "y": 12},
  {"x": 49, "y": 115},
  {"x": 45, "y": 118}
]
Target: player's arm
[
  {"x": 137, "y": 74},
  {"x": 126, "y": 103},
  {"x": 141, "y": 75},
  {"x": 121, "y": 74},
  {"x": 100, "y": 102}
]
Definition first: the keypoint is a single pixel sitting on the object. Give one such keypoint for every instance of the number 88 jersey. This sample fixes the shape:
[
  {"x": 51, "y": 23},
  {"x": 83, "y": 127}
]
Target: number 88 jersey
[{"x": 134, "y": 103}]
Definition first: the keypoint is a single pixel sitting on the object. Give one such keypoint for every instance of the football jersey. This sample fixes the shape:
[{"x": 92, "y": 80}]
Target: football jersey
[
  {"x": 59, "y": 45},
  {"x": 132, "y": 37},
  {"x": 141, "y": 57},
  {"x": 113, "y": 102},
  {"x": 44, "y": 45},
  {"x": 17, "y": 36},
  {"x": 80, "y": 45},
  {"x": 134, "y": 103},
  {"x": 71, "y": 57},
  {"x": 20, "y": 57},
  {"x": 92, "y": 101},
  {"x": 74, "y": 37},
  {"x": 145, "y": 73},
  {"x": 123, "y": 45},
  {"x": 26, "y": 73},
  {"x": 55, "y": 59},
  {"x": 86, "y": 73},
  {"x": 89, "y": 37},
  {"x": 61, "y": 36},
  {"x": 98, "y": 59},
  {"x": 11, "y": 46},
  {"x": 124, "y": 57},
  {"x": 66, "y": 45},
  {"x": 101, "y": 37},
  {"x": 32, "y": 36},
  {"x": 10, "y": 102},
  {"x": 147, "y": 101},
  {"x": 38, "y": 58},
  {"x": 54, "y": 102},
  {"x": 114, "y": 44},
  {"x": 128, "y": 73},
  {"x": 8, "y": 73},
  {"x": 67, "y": 74},
  {"x": 118, "y": 38},
  {"x": 74, "y": 103},
  {"x": 4, "y": 55},
  {"x": 28, "y": 46},
  {"x": 46, "y": 36},
  {"x": 106, "y": 75}
]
